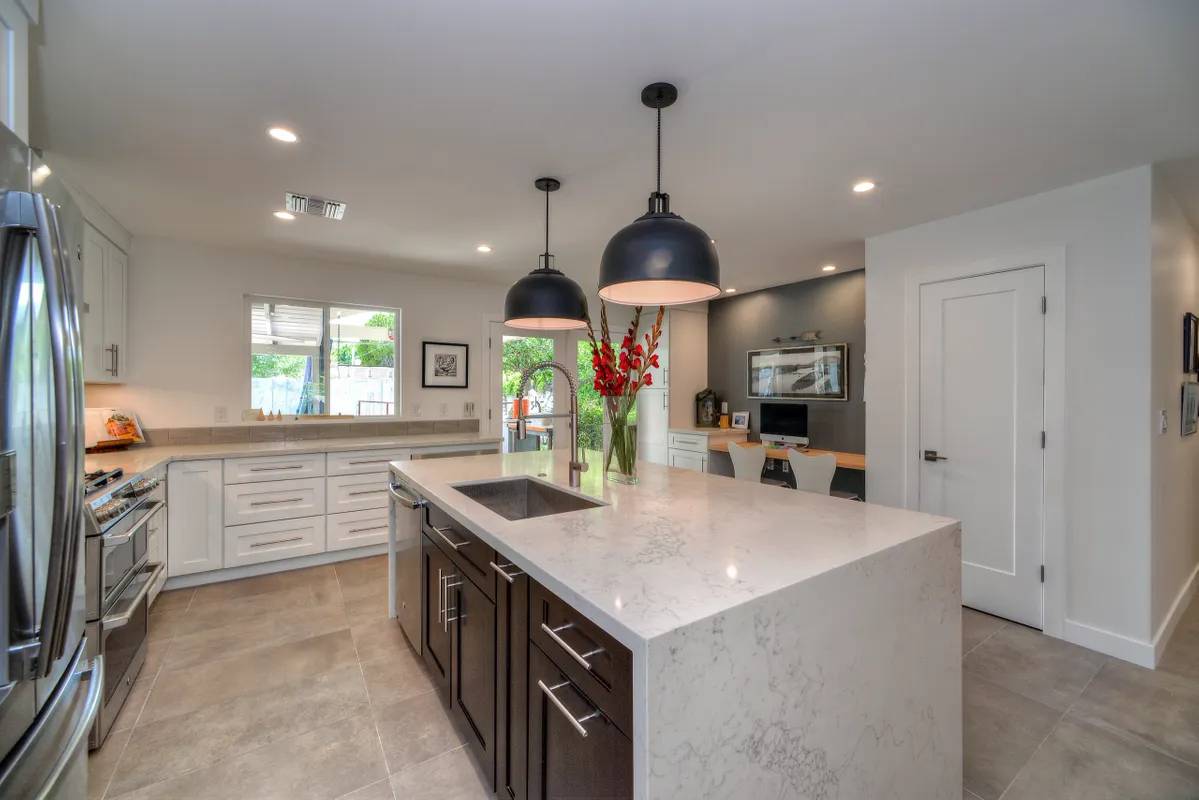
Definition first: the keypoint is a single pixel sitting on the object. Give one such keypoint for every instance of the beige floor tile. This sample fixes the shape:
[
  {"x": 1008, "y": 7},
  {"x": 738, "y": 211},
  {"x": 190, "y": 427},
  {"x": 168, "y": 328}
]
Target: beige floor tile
[
  {"x": 139, "y": 693},
  {"x": 164, "y": 622},
  {"x": 1158, "y": 707},
  {"x": 102, "y": 762},
  {"x": 367, "y": 608},
  {"x": 376, "y": 791},
  {"x": 155, "y": 654},
  {"x": 1182, "y": 654},
  {"x": 452, "y": 776},
  {"x": 262, "y": 584},
  {"x": 1037, "y": 666},
  {"x": 246, "y": 635},
  {"x": 976, "y": 627},
  {"x": 415, "y": 730},
  {"x": 183, "y": 690},
  {"x": 1001, "y": 731},
  {"x": 219, "y": 613},
  {"x": 397, "y": 677},
  {"x": 360, "y": 570},
  {"x": 1082, "y": 762},
  {"x": 179, "y": 744},
  {"x": 173, "y": 599},
  {"x": 378, "y": 639},
  {"x": 326, "y": 762}
]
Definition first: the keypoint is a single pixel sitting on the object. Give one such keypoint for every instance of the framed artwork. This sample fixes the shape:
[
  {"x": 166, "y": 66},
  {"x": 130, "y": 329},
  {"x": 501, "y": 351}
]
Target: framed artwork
[
  {"x": 1190, "y": 408},
  {"x": 444, "y": 365},
  {"x": 1190, "y": 343},
  {"x": 813, "y": 372},
  {"x": 741, "y": 420}
]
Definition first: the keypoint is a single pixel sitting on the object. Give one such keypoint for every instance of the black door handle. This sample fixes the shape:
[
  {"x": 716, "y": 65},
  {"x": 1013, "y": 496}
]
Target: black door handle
[{"x": 931, "y": 455}]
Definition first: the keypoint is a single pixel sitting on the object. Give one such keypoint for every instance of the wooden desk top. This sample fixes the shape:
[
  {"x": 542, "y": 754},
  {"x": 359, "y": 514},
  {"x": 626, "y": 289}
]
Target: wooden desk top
[{"x": 844, "y": 460}]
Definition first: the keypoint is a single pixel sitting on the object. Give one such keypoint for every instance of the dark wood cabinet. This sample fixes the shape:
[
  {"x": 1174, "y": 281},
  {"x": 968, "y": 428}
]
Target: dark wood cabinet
[
  {"x": 512, "y": 683},
  {"x": 575, "y": 751},
  {"x": 436, "y": 568},
  {"x": 471, "y": 616}
]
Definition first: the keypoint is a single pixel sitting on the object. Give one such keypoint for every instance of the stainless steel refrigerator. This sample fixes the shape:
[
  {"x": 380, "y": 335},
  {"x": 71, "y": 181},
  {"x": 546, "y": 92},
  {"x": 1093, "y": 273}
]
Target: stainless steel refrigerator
[{"x": 49, "y": 691}]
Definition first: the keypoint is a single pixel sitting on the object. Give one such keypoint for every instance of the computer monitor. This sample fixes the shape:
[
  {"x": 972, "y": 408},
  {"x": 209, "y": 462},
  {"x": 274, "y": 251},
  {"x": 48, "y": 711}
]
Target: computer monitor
[{"x": 784, "y": 423}]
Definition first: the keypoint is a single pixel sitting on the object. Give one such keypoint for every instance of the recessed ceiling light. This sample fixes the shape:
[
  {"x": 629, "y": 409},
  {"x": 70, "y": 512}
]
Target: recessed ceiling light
[
  {"x": 729, "y": 290},
  {"x": 484, "y": 248},
  {"x": 284, "y": 215},
  {"x": 283, "y": 135},
  {"x": 863, "y": 186},
  {"x": 829, "y": 267}
]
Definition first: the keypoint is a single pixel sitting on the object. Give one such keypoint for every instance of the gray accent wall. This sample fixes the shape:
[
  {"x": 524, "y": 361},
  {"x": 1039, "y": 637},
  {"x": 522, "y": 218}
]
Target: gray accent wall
[{"x": 836, "y": 306}]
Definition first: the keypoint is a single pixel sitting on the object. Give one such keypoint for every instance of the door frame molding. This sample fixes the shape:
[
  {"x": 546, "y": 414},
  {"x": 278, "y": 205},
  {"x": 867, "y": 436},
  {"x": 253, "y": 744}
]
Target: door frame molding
[{"x": 1053, "y": 260}]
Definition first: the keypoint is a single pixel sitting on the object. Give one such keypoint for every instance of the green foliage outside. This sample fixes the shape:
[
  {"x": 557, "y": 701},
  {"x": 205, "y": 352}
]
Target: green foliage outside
[
  {"x": 343, "y": 355},
  {"x": 520, "y": 353},
  {"x": 265, "y": 365},
  {"x": 377, "y": 354},
  {"x": 591, "y": 404}
]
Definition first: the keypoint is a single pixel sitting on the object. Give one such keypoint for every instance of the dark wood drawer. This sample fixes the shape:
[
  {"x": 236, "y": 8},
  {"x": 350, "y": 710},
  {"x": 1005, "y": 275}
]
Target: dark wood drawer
[
  {"x": 472, "y": 555},
  {"x": 600, "y": 666}
]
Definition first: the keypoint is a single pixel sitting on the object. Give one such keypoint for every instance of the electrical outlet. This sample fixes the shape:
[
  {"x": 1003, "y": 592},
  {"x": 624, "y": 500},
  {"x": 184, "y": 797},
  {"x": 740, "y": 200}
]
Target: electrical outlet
[
  {"x": 1163, "y": 421},
  {"x": 786, "y": 467},
  {"x": 220, "y": 414},
  {"x": 468, "y": 409}
]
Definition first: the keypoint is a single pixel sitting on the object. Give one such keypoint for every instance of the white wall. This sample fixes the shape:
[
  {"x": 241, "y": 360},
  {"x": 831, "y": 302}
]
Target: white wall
[
  {"x": 1103, "y": 225},
  {"x": 187, "y": 334},
  {"x": 1175, "y": 459},
  {"x": 688, "y": 362}
]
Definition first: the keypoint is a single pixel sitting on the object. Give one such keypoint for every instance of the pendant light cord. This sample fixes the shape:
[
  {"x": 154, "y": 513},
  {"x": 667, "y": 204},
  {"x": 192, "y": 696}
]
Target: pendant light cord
[
  {"x": 547, "y": 228},
  {"x": 659, "y": 150}
]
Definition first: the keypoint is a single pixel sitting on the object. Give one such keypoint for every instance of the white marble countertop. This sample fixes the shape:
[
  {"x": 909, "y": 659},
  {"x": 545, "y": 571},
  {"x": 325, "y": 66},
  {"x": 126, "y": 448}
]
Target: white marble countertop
[
  {"x": 143, "y": 459},
  {"x": 679, "y": 547}
]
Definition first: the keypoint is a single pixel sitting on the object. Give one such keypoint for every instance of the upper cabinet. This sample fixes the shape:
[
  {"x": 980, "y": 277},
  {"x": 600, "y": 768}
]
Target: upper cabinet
[{"x": 102, "y": 314}]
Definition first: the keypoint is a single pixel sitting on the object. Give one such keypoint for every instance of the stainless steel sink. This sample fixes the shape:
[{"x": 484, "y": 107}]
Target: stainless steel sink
[{"x": 524, "y": 498}]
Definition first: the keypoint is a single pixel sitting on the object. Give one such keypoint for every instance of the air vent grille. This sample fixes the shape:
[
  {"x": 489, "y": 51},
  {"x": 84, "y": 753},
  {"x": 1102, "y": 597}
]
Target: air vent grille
[{"x": 314, "y": 206}]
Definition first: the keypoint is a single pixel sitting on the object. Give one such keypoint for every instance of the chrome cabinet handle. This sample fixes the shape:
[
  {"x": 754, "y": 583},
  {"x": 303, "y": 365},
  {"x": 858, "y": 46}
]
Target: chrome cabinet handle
[
  {"x": 372, "y": 461},
  {"x": 448, "y": 619},
  {"x": 122, "y": 619},
  {"x": 398, "y": 494},
  {"x": 364, "y": 530},
  {"x": 276, "y": 541},
  {"x": 576, "y": 722},
  {"x": 570, "y": 651},
  {"x": 508, "y": 576},
  {"x": 440, "y": 595},
  {"x": 273, "y": 469},
  {"x": 365, "y": 491},
  {"x": 456, "y": 545},
  {"x": 110, "y": 540},
  {"x": 275, "y": 502}
]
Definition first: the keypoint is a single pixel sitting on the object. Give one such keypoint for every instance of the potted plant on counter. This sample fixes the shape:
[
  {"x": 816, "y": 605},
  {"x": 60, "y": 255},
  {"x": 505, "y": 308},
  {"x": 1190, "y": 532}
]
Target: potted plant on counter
[{"x": 619, "y": 374}]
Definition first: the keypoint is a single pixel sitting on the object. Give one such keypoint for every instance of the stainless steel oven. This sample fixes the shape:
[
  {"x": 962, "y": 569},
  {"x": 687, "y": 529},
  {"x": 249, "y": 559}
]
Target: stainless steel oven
[{"x": 118, "y": 578}]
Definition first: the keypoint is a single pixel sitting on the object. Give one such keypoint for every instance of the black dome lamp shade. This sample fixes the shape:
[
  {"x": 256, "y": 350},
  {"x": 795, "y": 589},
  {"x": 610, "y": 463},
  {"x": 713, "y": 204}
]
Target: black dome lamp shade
[
  {"x": 545, "y": 299},
  {"x": 660, "y": 259}
]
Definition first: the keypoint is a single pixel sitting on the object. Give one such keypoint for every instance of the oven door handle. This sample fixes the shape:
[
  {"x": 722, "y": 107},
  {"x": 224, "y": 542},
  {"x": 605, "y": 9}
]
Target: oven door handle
[
  {"x": 121, "y": 619},
  {"x": 110, "y": 540}
]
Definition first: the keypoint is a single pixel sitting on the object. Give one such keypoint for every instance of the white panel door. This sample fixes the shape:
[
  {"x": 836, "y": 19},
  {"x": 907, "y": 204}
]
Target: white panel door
[
  {"x": 982, "y": 364},
  {"x": 195, "y": 535}
]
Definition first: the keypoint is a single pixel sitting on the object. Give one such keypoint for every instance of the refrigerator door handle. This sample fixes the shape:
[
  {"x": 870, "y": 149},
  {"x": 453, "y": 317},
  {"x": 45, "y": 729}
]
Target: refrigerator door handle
[{"x": 68, "y": 495}]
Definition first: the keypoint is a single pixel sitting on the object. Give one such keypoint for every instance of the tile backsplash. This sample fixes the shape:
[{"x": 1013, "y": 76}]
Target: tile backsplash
[{"x": 265, "y": 432}]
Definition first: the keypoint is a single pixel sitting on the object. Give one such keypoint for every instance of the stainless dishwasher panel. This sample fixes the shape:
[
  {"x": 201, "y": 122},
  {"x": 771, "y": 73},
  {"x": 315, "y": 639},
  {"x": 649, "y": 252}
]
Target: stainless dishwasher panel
[{"x": 403, "y": 560}]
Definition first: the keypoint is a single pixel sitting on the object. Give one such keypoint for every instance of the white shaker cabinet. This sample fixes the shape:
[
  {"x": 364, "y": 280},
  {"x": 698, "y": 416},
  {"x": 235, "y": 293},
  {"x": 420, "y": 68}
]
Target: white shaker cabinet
[
  {"x": 105, "y": 277},
  {"x": 195, "y": 533}
]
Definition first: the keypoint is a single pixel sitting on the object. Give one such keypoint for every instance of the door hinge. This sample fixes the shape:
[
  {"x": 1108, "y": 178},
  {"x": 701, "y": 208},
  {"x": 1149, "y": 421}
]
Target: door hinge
[
  {"x": 1042, "y": 573},
  {"x": 1044, "y": 304},
  {"x": 1042, "y": 440}
]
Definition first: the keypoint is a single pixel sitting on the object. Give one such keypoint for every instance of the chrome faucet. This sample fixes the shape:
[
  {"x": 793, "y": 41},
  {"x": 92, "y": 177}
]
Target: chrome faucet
[{"x": 577, "y": 466}]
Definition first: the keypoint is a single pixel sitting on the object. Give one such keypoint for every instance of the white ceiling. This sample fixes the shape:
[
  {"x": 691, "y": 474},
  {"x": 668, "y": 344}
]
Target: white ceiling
[{"x": 431, "y": 119}]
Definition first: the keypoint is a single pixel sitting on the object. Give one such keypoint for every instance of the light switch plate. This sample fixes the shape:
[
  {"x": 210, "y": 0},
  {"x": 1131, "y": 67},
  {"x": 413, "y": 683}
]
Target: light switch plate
[
  {"x": 220, "y": 414},
  {"x": 1163, "y": 421},
  {"x": 468, "y": 409}
]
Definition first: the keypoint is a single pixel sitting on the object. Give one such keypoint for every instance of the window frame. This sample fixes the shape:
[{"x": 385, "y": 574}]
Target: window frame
[{"x": 326, "y": 306}]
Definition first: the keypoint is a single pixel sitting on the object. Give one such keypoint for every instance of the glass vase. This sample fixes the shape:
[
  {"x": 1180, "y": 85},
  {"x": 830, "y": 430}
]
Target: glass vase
[{"x": 620, "y": 456}]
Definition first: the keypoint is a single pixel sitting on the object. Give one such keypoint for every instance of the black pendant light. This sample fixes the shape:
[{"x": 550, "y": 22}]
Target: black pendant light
[
  {"x": 545, "y": 299},
  {"x": 660, "y": 259}
]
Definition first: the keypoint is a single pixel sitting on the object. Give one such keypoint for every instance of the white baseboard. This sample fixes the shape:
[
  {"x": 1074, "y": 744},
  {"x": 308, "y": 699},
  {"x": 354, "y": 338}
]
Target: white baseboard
[
  {"x": 252, "y": 570},
  {"x": 1117, "y": 645},
  {"x": 1164, "y": 631}
]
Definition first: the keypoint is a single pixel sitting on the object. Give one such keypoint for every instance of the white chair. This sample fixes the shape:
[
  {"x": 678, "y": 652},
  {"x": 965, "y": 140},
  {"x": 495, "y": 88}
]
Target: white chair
[
  {"x": 748, "y": 460},
  {"x": 812, "y": 473}
]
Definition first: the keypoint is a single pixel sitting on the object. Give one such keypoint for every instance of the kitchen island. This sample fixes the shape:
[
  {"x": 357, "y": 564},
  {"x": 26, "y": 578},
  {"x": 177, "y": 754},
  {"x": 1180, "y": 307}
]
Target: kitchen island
[{"x": 729, "y": 639}]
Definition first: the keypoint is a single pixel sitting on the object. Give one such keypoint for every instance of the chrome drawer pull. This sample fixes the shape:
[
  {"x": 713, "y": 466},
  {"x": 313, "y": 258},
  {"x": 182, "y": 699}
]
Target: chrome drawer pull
[
  {"x": 272, "y": 469},
  {"x": 441, "y": 596},
  {"x": 364, "y": 530},
  {"x": 366, "y": 491},
  {"x": 456, "y": 545},
  {"x": 576, "y": 722},
  {"x": 448, "y": 619},
  {"x": 110, "y": 540},
  {"x": 276, "y": 502},
  {"x": 276, "y": 541},
  {"x": 570, "y": 651},
  {"x": 372, "y": 461},
  {"x": 508, "y": 576}
]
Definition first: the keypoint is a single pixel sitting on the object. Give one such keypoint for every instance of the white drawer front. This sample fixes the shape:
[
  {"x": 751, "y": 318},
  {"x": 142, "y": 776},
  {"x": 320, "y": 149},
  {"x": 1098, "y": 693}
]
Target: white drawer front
[
  {"x": 356, "y": 529},
  {"x": 686, "y": 459},
  {"x": 270, "y": 468},
  {"x": 247, "y": 503},
  {"x": 695, "y": 442},
  {"x": 357, "y": 492},
  {"x": 271, "y": 541},
  {"x": 360, "y": 461}
]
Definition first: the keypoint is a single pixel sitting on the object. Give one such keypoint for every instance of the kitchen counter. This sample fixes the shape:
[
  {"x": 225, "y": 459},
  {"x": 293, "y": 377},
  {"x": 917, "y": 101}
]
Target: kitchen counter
[
  {"x": 784, "y": 643},
  {"x": 145, "y": 458}
]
